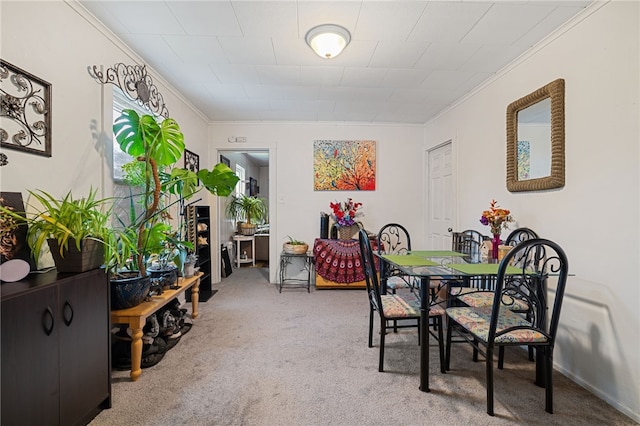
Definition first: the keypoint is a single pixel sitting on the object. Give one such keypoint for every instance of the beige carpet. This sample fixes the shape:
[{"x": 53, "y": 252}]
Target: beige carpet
[{"x": 258, "y": 357}]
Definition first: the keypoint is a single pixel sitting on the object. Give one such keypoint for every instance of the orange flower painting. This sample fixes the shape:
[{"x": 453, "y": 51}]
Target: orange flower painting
[{"x": 344, "y": 165}]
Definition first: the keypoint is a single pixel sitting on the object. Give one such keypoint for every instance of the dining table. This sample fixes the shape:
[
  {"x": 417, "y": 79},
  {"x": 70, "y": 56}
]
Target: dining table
[{"x": 443, "y": 266}]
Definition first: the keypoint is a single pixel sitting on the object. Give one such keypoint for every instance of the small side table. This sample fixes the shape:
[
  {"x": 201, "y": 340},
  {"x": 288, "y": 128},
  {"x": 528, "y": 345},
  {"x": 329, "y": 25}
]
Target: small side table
[
  {"x": 239, "y": 239},
  {"x": 286, "y": 260}
]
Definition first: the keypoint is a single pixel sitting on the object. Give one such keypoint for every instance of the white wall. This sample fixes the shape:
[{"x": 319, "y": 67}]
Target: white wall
[
  {"x": 294, "y": 205},
  {"x": 53, "y": 41},
  {"x": 595, "y": 217}
]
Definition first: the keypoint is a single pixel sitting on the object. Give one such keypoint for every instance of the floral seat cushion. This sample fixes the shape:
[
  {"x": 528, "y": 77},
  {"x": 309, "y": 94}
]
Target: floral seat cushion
[
  {"x": 476, "y": 321},
  {"x": 397, "y": 282},
  {"x": 479, "y": 299},
  {"x": 407, "y": 306},
  {"x": 400, "y": 307}
]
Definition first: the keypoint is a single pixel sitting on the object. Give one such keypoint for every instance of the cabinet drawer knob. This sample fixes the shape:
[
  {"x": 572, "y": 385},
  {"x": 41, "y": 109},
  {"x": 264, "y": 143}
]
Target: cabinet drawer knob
[
  {"x": 47, "y": 321},
  {"x": 67, "y": 313}
]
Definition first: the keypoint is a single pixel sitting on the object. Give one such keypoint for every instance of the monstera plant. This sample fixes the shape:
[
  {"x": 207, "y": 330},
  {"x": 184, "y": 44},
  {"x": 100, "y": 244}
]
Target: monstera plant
[{"x": 155, "y": 148}]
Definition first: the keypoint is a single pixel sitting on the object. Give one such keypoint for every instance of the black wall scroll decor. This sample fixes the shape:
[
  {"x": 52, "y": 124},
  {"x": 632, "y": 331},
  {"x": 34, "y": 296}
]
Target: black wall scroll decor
[
  {"x": 136, "y": 84},
  {"x": 25, "y": 111}
]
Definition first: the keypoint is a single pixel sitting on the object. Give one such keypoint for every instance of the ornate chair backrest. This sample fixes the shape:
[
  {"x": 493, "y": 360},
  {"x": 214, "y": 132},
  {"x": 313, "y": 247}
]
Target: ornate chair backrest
[
  {"x": 519, "y": 235},
  {"x": 468, "y": 242},
  {"x": 393, "y": 238},
  {"x": 368, "y": 264},
  {"x": 516, "y": 237},
  {"x": 539, "y": 259}
]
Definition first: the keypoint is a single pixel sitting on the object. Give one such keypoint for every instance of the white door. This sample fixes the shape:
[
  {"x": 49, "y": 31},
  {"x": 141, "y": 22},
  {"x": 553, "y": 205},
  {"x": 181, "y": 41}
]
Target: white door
[{"x": 440, "y": 197}]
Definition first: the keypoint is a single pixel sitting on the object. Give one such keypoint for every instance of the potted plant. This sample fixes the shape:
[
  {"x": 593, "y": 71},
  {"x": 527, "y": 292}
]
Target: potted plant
[
  {"x": 246, "y": 210},
  {"x": 294, "y": 246},
  {"x": 76, "y": 229},
  {"x": 190, "y": 265},
  {"x": 155, "y": 147}
]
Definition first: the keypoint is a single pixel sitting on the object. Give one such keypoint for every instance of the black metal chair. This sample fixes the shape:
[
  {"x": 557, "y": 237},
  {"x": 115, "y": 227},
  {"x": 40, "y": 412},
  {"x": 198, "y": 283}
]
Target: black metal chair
[
  {"x": 488, "y": 327},
  {"x": 393, "y": 307},
  {"x": 519, "y": 235},
  {"x": 394, "y": 239},
  {"x": 483, "y": 298},
  {"x": 469, "y": 243}
]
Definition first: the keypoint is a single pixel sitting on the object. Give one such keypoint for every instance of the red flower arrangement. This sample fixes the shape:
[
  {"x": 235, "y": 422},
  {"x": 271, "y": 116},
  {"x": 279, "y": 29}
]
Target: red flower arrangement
[{"x": 344, "y": 214}]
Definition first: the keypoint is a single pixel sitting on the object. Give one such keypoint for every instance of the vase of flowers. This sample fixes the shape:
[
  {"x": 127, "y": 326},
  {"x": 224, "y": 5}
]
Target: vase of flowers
[
  {"x": 498, "y": 219},
  {"x": 344, "y": 214}
]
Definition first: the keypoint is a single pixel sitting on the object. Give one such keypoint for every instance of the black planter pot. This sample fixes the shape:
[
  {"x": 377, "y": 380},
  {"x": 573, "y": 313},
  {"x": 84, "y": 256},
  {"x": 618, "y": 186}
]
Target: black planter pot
[
  {"x": 90, "y": 256},
  {"x": 164, "y": 278},
  {"x": 129, "y": 292}
]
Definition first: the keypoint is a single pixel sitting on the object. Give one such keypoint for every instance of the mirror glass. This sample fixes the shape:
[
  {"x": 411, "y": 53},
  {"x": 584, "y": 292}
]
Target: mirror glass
[{"x": 535, "y": 140}]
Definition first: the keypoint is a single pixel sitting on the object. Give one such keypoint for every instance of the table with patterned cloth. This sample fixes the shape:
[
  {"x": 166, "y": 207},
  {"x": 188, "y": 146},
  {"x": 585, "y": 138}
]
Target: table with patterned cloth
[{"x": 337, "y": 263}]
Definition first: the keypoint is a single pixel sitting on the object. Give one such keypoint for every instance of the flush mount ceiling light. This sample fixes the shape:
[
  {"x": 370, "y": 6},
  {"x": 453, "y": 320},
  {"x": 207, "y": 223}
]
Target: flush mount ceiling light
[{"x": 328, "y": 40}]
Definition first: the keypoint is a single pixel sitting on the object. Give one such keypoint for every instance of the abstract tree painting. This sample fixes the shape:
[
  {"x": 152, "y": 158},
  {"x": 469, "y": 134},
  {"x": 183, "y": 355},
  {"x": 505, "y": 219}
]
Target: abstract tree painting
[{"x": 344, "y": 165}]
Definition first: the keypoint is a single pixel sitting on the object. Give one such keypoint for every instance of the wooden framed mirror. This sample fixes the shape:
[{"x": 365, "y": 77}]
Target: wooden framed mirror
[{"x": 535, "y": 140}]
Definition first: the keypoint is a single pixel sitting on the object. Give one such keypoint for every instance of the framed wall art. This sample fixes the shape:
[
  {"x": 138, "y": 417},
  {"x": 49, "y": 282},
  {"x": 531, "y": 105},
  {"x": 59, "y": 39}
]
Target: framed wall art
[
  {"x": 253, "y": 187},
  {"x": 344, "y": 165},
  {"x": 191, "y": 161},
  {"x": 224, "y": 160},
  {"x": 25, "y": 111}
]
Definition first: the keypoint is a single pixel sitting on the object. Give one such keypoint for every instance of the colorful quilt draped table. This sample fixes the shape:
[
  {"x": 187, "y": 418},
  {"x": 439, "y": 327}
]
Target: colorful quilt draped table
[{"x": 339, "y": 260}]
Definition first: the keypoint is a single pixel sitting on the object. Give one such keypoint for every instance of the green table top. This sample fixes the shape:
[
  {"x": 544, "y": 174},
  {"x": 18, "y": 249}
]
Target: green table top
[
  {"x": 436, "y": 253},
  {"x": 408, "y": 260}
]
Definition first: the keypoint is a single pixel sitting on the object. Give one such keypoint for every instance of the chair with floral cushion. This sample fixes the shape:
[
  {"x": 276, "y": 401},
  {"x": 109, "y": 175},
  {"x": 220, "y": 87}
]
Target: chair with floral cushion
[
  {"x": 484, "y": 298},
  {"x": 394, "y": 239},
  {"x": 394, "y": 307},
  {"x": 489, "y": 327}
]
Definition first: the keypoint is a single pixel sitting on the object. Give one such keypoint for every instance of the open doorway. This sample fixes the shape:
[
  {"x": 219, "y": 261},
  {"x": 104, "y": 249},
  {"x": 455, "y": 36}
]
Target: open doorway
[{"x": 252, "y": 166}]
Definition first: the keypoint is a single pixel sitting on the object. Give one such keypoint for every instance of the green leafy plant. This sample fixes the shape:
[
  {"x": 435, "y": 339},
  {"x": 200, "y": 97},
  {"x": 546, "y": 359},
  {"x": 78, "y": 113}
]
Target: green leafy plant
[
  {"x": 294, "y": 242},
  {"x": 156, "y": 147},
  {"x": 244, "y": 208},
  {"x": 67, "y": 220}
]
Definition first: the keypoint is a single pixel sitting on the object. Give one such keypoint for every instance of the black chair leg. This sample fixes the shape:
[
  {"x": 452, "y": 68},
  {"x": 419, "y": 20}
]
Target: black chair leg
[
  {"x": 383, "y": 333},
  {"x": 489, "y": 362},
  {"x": 531, "y": 357},
  {"x": 475, "y": 351},
  {"x": 447, "y": 357},
  {"x": 371, "y": 328},
  {"x": 548, "y": 381},
  {"x": 501, "y": 358},
  {"x": 438, "y": 321}
]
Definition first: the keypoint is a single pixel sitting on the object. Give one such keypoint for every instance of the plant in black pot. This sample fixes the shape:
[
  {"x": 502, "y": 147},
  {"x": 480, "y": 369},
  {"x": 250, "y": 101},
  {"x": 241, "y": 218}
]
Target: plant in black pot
[
  {"x": 75, "y": 229},
  {"x": 155, "y": 147}
]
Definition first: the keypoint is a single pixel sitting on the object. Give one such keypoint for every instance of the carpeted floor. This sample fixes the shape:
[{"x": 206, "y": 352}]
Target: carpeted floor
[{"x": 258, "y": 357}]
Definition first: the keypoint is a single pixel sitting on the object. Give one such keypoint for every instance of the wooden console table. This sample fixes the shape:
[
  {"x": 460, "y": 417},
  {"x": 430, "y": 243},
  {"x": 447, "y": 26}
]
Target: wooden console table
[{"x": 136, "y": 317}]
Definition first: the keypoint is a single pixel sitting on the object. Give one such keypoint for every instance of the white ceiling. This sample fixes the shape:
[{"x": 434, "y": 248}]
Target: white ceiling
[{"x": 239, "y": 60}]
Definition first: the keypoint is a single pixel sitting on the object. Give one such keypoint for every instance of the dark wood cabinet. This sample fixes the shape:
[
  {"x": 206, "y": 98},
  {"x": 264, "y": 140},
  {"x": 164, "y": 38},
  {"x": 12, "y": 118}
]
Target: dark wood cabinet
[
  {"x": 199, "y": 233},
  {"x": 55, "y": 349}
]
